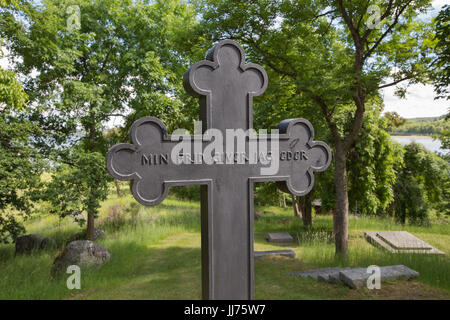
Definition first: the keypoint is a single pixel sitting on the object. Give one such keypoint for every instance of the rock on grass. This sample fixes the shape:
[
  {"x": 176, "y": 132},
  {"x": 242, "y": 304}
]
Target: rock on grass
[
  {"x": 33, "y": 242},
  {"x": 83, "y": 253}
]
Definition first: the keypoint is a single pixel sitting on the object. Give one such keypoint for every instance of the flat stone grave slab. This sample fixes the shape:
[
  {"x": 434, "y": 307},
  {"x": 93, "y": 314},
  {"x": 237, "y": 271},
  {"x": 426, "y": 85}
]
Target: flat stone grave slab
[
  {"x": 399, "y": 242},
  {"x": 324, "y": 274},
  {"x": 356, "y": 278},
  {"x": 285, "y": 253},
  {"x": 332, "y": 276},
  {"x": 280, "y": 237}
]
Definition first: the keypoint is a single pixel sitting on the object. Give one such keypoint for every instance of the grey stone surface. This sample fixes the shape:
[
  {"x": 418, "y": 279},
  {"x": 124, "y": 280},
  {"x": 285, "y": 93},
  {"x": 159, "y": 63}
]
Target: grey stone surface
[
  {"x": 33, "y": 242},
  {"x": 400, "y": 242},
  {"x": 357, "y": 277},
  {"x": 332, "y": 276},
  {"x": 279, "y": 237},
  {"x": 83, "y": 253},
  {"x": 286, "y": 253},
  {"x": 353, "y": 277},
  {"x": 225, "y": 85},
  {"x": 98, "y": 234},
  {"x": 318, "y": 274}
]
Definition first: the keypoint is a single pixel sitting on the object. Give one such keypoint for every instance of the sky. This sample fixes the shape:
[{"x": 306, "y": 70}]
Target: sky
[{"x": 419, "y": 100}]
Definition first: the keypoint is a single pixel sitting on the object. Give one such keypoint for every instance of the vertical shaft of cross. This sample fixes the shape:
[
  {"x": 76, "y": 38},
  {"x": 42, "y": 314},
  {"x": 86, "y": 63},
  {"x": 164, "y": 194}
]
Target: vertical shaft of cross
[
  {"x": 227, "y": 239},
  {"x": 225, "y": 86}
]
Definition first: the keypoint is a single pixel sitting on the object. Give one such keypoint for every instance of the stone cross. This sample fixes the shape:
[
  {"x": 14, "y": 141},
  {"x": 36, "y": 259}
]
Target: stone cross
[{"x": 225, "y": 86}]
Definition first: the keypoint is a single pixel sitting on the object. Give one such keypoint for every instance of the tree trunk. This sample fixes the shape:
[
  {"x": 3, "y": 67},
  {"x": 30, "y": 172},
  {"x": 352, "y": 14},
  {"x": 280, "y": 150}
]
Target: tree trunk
[
  {"x": 90, "y": 227},
  {"x": 340, "y": 218},
  {"x": 295, "y": 206},
  {"x": 403, "y": 216},
  {"x": 117, "y": 187},
  {"x": 307, "y": 209},
  {"x": 90, "y": 211}
]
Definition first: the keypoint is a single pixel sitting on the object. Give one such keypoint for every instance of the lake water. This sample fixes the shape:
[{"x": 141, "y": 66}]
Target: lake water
[{"x": 426, "y": 141}]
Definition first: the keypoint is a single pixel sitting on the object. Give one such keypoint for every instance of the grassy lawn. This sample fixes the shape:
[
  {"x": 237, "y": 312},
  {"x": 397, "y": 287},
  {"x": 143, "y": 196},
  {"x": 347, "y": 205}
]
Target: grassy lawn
[{"x": 155, "y": 254}]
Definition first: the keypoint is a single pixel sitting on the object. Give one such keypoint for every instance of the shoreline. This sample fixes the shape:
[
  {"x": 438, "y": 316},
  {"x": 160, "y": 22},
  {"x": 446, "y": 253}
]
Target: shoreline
[
  {"x": 401, "y": 134},
  {"x": 430, "y": 143}
]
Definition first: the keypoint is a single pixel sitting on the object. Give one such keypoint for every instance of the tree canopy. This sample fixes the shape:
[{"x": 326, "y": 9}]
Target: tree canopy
[
  {"x": 93, "y": 62},
  {"x": 423, "y": 182},
  {"x": 20, "y": 164},
  {"x": 331, "y": 53},
  {"x": 89, "y": 69}
]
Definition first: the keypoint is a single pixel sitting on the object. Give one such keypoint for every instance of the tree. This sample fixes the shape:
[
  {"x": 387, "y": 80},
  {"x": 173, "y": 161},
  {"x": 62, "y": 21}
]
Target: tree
[
  {"x": 423, "y": 182},
  {"x": 305, "y": 205},
  {"x": 332, "y": 54},
  {"x": 84, "y": 182},
  {"x": 114, "y": 136},
  {"x": 280, "y": 102},
  {"x": 373, "y": 164},
  {"x": 20, "y": 164},
  {"x": 393, "y": 120},
  {"x": 96, "y": 61},
  {"x": 441, "y": 66}
]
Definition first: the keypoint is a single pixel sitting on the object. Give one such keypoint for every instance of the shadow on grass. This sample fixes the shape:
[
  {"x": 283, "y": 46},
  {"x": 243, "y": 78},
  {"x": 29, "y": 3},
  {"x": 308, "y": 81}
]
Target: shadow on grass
[
  {"x": 175, "y": 273},
  {"x": 134, "y": 271},
  {"x": 6, "y": 252},
  {"x": 139, "y": 272},
  {"x": 166, "y": 270}
]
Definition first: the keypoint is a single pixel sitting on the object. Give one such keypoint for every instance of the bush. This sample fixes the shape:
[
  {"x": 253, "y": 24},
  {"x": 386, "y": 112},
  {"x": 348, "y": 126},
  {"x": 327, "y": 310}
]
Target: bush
[{"x": 191, "y": 193}]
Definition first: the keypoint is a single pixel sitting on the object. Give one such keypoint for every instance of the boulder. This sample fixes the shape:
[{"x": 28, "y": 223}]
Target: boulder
[
  {"x": 33, "y": 242},
  {"x": 98, "y": 234},
  {"x": 48, "y": 243},
  {"x": 83, "y": 253}
]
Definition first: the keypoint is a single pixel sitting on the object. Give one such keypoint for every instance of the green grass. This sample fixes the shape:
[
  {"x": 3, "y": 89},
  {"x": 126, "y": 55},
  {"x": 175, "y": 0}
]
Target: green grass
[{"x": 155, "y": 254}]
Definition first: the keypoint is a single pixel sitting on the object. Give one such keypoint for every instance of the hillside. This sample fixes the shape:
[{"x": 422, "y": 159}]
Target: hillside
[{"x": 422, "y": 126}]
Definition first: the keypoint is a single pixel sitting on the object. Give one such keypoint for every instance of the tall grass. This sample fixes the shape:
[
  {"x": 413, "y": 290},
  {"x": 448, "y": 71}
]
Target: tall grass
[
  {"x": 155, "y": 253},
  {"x": 315, "y": 245},
  {"x": 28, "y": 276}
]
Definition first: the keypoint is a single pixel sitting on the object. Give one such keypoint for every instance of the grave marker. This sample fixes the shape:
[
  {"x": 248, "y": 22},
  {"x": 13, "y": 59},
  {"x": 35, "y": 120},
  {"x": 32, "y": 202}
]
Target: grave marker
[
  {"x": 225, "y": 86},
  {"x": 400, "y": 242},
  {"x": 280, "y": 237}
]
